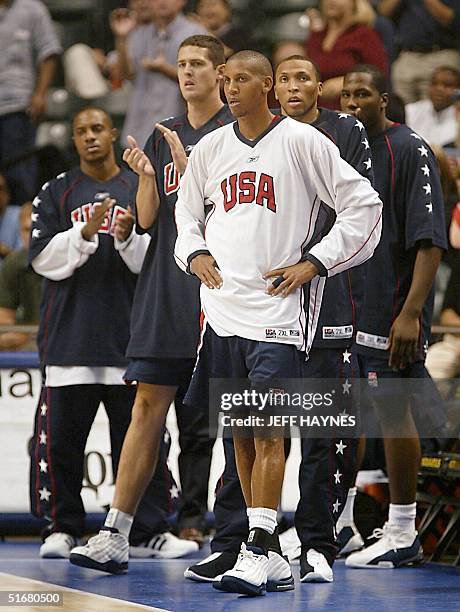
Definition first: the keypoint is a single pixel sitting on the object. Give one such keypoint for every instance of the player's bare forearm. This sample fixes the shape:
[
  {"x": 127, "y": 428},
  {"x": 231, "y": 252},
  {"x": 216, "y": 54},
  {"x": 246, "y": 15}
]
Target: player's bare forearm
[
  {"x": 425, "y": 268},
  {"x": 286, "y": 280},
  {"x": 405, "y": 331},
  {"x": 147, "y": 201}
]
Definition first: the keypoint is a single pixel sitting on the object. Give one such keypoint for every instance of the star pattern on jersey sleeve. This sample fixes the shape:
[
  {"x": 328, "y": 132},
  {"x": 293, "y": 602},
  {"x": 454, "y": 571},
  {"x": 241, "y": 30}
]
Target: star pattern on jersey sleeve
[
  {"x": 368, "y": 163},
  {"x": 429, "y": 207},
  {"x": 425, "y": 170},
  {"x": 45, "y": 186},
  {"x": 36, "y": 233},
  {"x": 423, "y": 151},
  {"x": 427, "y": 188},
  {"x": 414, "y": 135},
  {"x": 61, "y": 176},
  {"x": 36, "y": 202},
  {"x": 343, "y": 115},
  {"x": 365, "y": 142},
  {"x": 34, "y": 217},
  {"x": 359, "y": 125}
]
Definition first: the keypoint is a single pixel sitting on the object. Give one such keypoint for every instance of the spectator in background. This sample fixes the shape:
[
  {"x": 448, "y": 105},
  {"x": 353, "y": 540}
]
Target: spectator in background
[
  {"x": 20, "y": 289},
  {"x": 147, "y": 55},
  {"x": 90, "y": 72},
  {"x": 28, "y": 50},
  {"x": 10, "y": 236},
  {"x": 443, "y": 358},
  {"x": 434, "y": 118},
  {"x": 340, "y": 45},
  {"x": 428, "y": 34},
  {"x": 216, "y": 17}
]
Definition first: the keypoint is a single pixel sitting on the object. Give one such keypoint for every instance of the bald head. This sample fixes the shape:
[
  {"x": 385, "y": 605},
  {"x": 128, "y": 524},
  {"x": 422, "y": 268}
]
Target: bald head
[{"x": 253, "y": 61}]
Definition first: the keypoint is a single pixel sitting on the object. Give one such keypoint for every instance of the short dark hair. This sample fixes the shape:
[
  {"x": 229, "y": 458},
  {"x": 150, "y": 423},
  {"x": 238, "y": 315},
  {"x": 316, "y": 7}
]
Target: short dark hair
[
  {"x": 92, "y": 107},
  {"x": 379, "y": 80},
  {"x": 453, "y": 71},
  {"x": 215, "y": 48},
  {"x": 258, "y": 60},
  {"x": 302, "y": 58}
]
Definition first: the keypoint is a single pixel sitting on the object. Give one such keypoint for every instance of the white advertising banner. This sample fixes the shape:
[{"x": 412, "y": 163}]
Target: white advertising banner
[{"x": 19, "y": 392}]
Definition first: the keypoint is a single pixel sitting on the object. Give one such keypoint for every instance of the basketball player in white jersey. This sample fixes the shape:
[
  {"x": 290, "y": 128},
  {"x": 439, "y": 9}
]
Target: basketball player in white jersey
[{"x": 255, "y": 186}]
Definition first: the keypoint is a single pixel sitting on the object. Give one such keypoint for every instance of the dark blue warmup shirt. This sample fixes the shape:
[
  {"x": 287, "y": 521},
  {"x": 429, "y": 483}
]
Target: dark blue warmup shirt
[
  {"x": 84, "y": 319},
  {"x": 407, "y": 178},
  {"x": 165, "y": 320}
]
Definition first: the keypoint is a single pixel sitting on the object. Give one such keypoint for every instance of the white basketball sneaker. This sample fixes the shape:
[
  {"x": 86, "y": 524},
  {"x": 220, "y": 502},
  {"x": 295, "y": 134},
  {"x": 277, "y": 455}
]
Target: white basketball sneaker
[
  {"x": 57, "y": 546},
  {"x": 249, "y": 575},
  {"x": 394, "y": 548},
  {"x": 314, "y": 567},
  {"x": 106, "y": 552}
]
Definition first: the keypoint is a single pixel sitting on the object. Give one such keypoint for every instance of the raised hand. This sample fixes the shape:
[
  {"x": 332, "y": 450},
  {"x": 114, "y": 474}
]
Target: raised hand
[
  {"x": 124, "y": 224},
  {"x": 177, "y": 148},
  {"x": 91, "y": 228},
  {"x": 122, "y": 22},
  {"x": 137, "y": 160}
]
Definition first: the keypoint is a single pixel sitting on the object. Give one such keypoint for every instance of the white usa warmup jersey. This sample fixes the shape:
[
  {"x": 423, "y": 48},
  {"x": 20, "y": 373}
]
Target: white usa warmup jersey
[{"x": 253, "y": 206}]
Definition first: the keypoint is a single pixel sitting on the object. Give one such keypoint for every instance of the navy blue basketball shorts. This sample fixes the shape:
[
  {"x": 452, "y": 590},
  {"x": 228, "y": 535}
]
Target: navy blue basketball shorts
[
  {"x": 168, "y": 372},
  {"x": 386, "y": 384},
  {"x": 266, "y": 365}
]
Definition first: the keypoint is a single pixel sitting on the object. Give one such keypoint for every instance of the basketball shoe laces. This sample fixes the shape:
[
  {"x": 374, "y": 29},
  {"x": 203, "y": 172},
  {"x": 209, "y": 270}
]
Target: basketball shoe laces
[
  {"x": 246, "y": 559},
  {"x": 386, "y": 532}
]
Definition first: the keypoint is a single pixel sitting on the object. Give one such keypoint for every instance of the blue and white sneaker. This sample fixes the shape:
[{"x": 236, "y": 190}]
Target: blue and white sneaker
[
  {"x": 248, "y": 576},
  {"x": 394, "y": 548},
  {"x": 349, "y": 540}
]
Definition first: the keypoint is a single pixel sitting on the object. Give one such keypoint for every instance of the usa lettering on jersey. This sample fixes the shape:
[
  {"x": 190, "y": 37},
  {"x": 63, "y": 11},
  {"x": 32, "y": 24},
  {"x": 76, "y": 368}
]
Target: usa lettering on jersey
[
  {"x": 86, "y": 211},
  {"x": 171, "y": 179},
  {"x": 247, "y": 188}
]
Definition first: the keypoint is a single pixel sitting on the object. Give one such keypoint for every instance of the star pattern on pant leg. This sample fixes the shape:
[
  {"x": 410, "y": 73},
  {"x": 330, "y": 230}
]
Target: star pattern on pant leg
[
  {"x": 44, "y": 494},
  {"x": 340, "y": 447}
]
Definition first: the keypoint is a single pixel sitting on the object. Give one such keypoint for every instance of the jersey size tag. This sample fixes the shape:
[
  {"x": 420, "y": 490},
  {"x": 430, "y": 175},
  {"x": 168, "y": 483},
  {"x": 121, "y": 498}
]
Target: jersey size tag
[
  {"x": 281, "y": 334},
  {"x": 337, "y": 332},
  {"x": 372, "y": 341}
]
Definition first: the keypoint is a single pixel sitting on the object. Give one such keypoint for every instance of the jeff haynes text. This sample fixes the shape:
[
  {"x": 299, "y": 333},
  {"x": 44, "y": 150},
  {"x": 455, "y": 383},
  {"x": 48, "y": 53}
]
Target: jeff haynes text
[{"x": 278, "y": 420}]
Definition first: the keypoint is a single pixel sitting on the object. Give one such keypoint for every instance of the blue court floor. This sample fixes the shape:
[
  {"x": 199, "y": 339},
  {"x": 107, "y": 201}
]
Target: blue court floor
[{"x": 160, "y": 584}]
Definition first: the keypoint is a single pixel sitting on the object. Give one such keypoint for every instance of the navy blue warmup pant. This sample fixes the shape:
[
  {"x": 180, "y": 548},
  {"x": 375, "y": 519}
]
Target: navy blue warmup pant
[{"x": 63, "y": 421}]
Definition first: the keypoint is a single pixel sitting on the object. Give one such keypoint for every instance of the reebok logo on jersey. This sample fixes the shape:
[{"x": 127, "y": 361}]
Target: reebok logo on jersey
[
  {"x": 248, "y": 188},
  {"x": 101, "y": 196},
  {"x": 189, "y": 148},
  {"x": 251, "y": 160}
]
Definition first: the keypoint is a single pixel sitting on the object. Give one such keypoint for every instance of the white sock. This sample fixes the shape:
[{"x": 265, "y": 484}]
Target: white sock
[
  {"x": 346, "y": 518},
  {"x": 402, "y": 516},
  {"x": 248, "y": 512},
  {"x": 119, "y": 520},
  {"x": 262, "y": 518}
]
